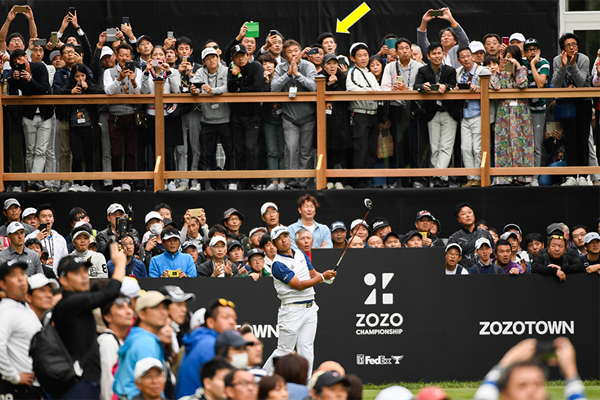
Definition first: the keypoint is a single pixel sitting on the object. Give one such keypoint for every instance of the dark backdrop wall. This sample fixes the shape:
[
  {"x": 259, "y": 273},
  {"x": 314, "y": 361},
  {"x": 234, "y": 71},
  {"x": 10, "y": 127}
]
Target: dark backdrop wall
[{"x": 301, "y": 20}]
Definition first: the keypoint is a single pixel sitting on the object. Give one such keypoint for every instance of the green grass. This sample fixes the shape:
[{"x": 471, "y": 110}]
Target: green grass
[{"x": 466, "y": 390}]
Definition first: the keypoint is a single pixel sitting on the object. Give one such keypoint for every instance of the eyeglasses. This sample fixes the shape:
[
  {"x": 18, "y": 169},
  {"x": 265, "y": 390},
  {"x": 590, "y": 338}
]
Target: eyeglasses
[
  {"x": 226, "y": 303},
  {"x": 259, "y": 344},
  {"x": 79, "y": 217},
  {"x": 233, "y": 218},
  {"x": 245, "y": 383},
  {"x": 267, "y": 213},
  {"x": 571, "y": 45},
  {"x": 120, "y": 301},
  {"x": 17, "y": 40}
]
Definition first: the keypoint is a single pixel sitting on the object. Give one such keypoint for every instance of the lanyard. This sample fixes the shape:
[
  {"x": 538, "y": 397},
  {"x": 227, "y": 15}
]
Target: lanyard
[
  {"x": 438, "y": 74},
  {"x": 400, "y": 71}
]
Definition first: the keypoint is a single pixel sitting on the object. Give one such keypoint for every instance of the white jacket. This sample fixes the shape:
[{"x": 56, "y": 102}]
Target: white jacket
[{"x": 360, "y": 80}]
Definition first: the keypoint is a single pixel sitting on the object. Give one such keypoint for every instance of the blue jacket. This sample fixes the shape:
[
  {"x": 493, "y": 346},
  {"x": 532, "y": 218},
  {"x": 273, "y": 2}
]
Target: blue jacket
[
  {"x": 138, "y": 270},
  {"x": 199, "y": 349},
  {"x": 321, "y": 234},
  {"x": 138, "y": 344},
  {"x": 172, "y": 262}
]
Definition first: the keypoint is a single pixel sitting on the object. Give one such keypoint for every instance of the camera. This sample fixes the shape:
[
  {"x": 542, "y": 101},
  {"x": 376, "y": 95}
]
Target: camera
[
  {"x": 130, "y": 65},
  {"x": 40, "y": 42},
  {"x": 156, "y": 63},
  {"x": 173, "y": 274},
  {"x": 20, "y": 67},
  {"x": 124, "y": 225},
  {"x": 312, "y": 51}
]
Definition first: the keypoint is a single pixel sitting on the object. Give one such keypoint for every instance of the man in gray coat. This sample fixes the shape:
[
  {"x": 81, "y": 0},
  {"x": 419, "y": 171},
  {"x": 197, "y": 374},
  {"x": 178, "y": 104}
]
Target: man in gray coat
[{"x": 451, "y": 38}]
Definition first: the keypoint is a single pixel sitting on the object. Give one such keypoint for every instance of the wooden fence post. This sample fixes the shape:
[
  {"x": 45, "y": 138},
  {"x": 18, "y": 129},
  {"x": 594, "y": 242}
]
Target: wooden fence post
[
  {"x": 321, "y": 134},
  {"x": 159, "y": 120},
  {"x": 485, "y": 130}
]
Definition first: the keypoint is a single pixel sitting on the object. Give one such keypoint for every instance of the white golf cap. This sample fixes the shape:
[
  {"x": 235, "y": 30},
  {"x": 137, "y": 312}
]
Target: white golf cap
[
  {"x": 476, "y": 46},
  {"x": 258, "y": 229},
  {"x": 453, "y": 245},
  {"x": 10, "y": 202},
  {"x": 130, "y": 287},
  {"x": 14, "y": 227},
  {"x": 197, "y": 318},
  {"x": 516, "y": 36},
  {"x": 114, "y": 208},
  {"x": 208, "y": 51},
  {"x": 357, "y": 222},
  {"x": 28, "y": 212},
  {"x": 39, "y": 280},
  {"x": 106, "y": 51},
  {"x": 83, "y": 223},
  {"x": 151, "y": 215},
  {"x": 144, "y": 365},
  {"x": 480, "y": 242},
  {"x": 395, "y": 393},
  {"x": 591, "y": 236},
  {"x": 278, "y": 230},
  {"x": 264, "y": 207},
  {"x": 217, "y": 239},
  {"x": 506, "y": 235}
]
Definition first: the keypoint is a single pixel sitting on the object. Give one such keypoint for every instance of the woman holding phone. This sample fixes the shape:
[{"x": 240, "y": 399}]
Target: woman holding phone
[
  {"x": 513, "y": 131},
  {"x": 158, "y": 68},
  {"x": 84, "y": 132}
]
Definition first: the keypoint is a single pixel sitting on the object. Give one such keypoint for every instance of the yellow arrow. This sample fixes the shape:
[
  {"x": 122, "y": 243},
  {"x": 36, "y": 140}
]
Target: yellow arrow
[{"x": 352, "y": 18}]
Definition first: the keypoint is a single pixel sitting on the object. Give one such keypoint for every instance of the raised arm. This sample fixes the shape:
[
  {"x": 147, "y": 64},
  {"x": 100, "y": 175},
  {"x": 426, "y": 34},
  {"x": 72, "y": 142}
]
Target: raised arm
[{"x": 4, "y": 30}]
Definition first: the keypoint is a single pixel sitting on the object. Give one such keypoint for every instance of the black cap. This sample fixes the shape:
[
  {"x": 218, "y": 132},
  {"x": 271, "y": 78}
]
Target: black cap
[
  {"x": 556, "y": 227},
  {"x": 328, "y": 57},
  {"x": 186, "y": 245},
  {"x": 7, "y": 266},
  {"x": 422, "y": 214},
  {"x": 253, "y": 252},
  {"x": 143, "y": 37},
  {"x": 233, "y": 243},
  {"x": 330, "y": 378},
  {"x": 410, "y": 235},
  {"x": 531, "y": 42},
  {"x": 230, "y": 212},
  {"x": 231, "y": 338},
  {"x": 237, "y": 49},
  {"x": 71, "y": 263},
  {"x": 390, "y": 234},
  {"x": 168, "y": 222},
  {"x": 378, "y": 223}
]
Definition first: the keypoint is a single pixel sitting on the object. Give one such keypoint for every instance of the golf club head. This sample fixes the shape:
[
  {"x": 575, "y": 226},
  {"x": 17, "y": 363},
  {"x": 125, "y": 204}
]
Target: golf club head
[{"x": 368, "y": 204}]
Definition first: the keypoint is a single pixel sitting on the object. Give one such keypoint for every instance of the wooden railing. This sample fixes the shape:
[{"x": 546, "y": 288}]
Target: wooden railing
[{"x": 320, "y": 97}]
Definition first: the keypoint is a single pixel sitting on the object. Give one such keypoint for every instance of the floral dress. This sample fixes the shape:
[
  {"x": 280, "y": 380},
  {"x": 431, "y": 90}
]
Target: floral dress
[{"x": 513, "y": 132}]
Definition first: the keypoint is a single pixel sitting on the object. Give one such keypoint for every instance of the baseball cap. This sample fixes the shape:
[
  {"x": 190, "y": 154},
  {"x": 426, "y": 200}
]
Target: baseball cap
[
  {"x": 431, "y": 393},
  {"x": 130, "y": 287},
  {"x": 233, "y": 243},
  {"x": 238, "y": 49},
  {"x": 258, "y": 229},
  {"x": 197, "y": 318},
  {"x": 7, "y": 266},
  {"x": 531, "y": 42},
  {"x": 28, "y": 211},
  {"x": 151, "y": 299},
  {"x": 513, "y": 226},
  {"x": 14, "y": 227},
  {"x": 591, "y": 236},
  {"x": 39, "y": 281},
  {"x": 169, "y": 233},
  {"x": 379, "y": 223},
  {"x": 264, "y": 207},
  {"x": 337, "y": 225},
  {"x": 57, "y": 53},
  {"x": 231, "y": 338},
  {"x": 328, "y": 57},
  {"x": 10, "y": 202},
  {"x": 187, "y": 244},
  {"x": 555, "y": 227},
  {"x": 169, "y": 222},
  {"x": 143, "y": 37},
  {"x": 229, "y": 213},
  {"x": 476, "y": 46},
  {"x": 151, "y": 215},
  {"x": 253, "y": 252},
  {"x": 410, "y": 235},
  {"x": 106, "y": 51},
  {"x": 480, "y": 242},
  {"x": 395, "y": 393},
  {"x": 456, "y": 246},
  {"x": 144, "y": 365},
  {"x": 176, "y": 294},
  {"x": 278, "y": 230},
  {"x": 216, "y": 239},
  {"x": 506, "y": 235},
  {"x": 82, "y": 229},
  {"x": 357, "y": 46},
  {"x": 357, "y": 222},
  {"x": 330, "y": 378},
  {"x": 516, "y": 36},
  {"x": 422, "y": 214},
  {"x": 114, "y": 208},
  {"x": 390, "y": 234},
  {"x": 208, "y": 51},
  {"x": 71, "y": 263}
]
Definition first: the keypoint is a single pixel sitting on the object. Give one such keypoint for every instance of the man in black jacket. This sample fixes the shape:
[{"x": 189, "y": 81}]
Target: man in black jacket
[
  {"x": 554, "y": 260},
  {"x": 441, "y": 114},
  {"x": 219, "y": 266},
  {"x": 103, "y": 237},
  {"x": 468, "y": 234},
  {"x": 75, "y": 323},
  {"x": 245, "y": 76}
]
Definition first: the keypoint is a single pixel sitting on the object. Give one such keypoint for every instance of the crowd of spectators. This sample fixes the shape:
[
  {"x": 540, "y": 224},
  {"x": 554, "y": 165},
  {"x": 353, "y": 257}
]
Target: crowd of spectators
[{"x": 276, "y": 136}]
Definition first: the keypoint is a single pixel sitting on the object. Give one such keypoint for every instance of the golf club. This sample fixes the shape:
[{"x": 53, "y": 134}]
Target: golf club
[{"x": 369, "y": 204}]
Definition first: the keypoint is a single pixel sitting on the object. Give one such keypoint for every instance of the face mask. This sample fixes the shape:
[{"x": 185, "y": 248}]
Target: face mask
[
  {"x": 156, "y": 229},
  {"x": 239, "y": 361}
]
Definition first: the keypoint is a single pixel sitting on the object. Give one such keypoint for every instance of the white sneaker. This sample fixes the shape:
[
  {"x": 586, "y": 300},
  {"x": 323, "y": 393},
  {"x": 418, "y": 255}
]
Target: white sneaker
[
  {"x": 338, "y": 185},
  {"x": 83, "y": 188},
  {"x": 272, "y": 186},
  {"x": 92, "y": 188},
  {"x": 171, "y": 187},
  {"x": 196, "y": 187},
  {"x": 581, "y": 181},
  {"x": 125, "y": 187},
  {"x": 281, "y": 186},
  {"x": 570, "y": 181},
  {"x": 182, "y": 188},
  {"x": 74, "y": 188},
  {"x": 116, "y": 189},
  {"x": 232, "y": 186},
  {"x": 330, "y": 185},
  {"x": 535, "y": 182},
  {"x": 17, "y": 189},
  {"x": 64, "y": 188}
]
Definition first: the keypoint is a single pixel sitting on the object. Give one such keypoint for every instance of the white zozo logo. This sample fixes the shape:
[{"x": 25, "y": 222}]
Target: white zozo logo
[
  {"x": 386, "y": 298},
  {"x": 361, "y": 359}
]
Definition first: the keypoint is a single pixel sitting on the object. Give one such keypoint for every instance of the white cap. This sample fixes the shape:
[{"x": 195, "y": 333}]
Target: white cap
[
  {"x": 278, "y": 230},
  {"x": 454, "y": 245},
  {"x": 197, "y": 319},
  {"x": 395, "y": 393},
  {"x": 476, "y": 46},
  {"x": 83, "y": 223},
  {"x": 106, "y": 51},
  {"x": 144, "y": 365},
  {"x": 216, "y": 239},
  {"x": 28, "y": 212},
  {"x": 130, "y": 287},
  {"x": 39, "y": 280},
  {"x": 506, "y": 235},
  {"x": 170, "y": 235},
  {"x": 264, "y": 207},
  {"x": 13, "y": 227},
  {"x": 591, "y": 236},
  {"x": 516, "y": 36},
  {"x": 152, "y": 214},
  {"x": 258, "y": 229},
  {"x": 10, "y": 202},
  {"x": 480, "y": 242},
  {"x": 208, "y": 51},
  {"x": 114, "y": 208},
  {"x": 357, "y": 222}
]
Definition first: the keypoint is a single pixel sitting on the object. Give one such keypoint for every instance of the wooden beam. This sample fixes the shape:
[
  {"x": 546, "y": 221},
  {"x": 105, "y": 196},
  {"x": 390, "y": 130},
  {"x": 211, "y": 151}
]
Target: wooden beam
[
  {"x": 159, "y": 132},
  {"x": 159, "y": 181},
  {"x": 544, "y": 93},
  {"x": 249, "y": 174},
  {"x": 92, "y": 176},
  {"x": 2, "y": 86},
  {"x": 321, "y": 134},
  {"x": 485, "y": 130},
  {"x": 485, "y": 170},
  {"x": 401, "y": 172}
]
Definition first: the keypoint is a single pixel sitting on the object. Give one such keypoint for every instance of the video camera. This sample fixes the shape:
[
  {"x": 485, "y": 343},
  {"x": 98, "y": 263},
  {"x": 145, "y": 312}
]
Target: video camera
[{"x": 124, "y": 225}]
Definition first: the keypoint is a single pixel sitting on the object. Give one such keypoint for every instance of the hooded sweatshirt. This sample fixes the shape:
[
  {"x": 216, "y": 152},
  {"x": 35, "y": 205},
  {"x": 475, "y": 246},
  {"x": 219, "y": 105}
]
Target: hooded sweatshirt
[
  {"x": 139, "y": 344},
  {"x": 98, "y": 268},
  {"x": 199, "y": 349}
]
